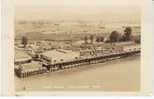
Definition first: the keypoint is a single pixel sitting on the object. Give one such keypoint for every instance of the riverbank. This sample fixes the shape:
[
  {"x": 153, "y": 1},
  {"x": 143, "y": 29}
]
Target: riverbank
[{"x": 116, "y": 75}]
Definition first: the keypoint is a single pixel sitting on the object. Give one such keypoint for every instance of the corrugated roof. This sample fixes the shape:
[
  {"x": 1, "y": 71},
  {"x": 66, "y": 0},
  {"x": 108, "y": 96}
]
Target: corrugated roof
[
  {"x": 21, "y": 55},
  {"x": 61, "y": 54},
  {"x": 31, "y": 66}
]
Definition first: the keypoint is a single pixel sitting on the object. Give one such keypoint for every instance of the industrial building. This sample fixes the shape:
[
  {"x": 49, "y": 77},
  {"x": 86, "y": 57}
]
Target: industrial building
[
  {"x": 60, "y": 55},
  {"x": 32, "y": 68},
  {"x": 21, "y": 57}
]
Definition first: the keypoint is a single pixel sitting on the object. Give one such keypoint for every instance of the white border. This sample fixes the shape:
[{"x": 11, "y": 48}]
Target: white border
[{"x": 7, "y": 58}]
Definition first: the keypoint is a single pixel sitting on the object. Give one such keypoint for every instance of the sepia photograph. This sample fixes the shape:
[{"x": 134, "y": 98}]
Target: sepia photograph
[{"x": 77, "y": 48}]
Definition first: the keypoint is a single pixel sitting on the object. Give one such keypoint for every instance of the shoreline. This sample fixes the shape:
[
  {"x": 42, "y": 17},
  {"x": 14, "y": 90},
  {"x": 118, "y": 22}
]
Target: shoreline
[
  {"x": 75, "y": 63},
  {"x": 58, "y": 76}
]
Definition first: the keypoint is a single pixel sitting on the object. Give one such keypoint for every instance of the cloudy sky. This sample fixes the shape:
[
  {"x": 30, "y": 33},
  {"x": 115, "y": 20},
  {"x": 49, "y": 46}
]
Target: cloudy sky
[{"x": 78, "y": 10}]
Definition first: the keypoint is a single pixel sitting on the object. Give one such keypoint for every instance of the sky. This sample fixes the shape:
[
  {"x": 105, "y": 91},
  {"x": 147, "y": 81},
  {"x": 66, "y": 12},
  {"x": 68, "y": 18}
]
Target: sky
[{"x": 78, "y": 10}]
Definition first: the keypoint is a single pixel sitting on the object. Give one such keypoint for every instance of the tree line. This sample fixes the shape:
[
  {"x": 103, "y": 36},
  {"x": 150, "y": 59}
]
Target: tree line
[{"x": 115, "y": 36}]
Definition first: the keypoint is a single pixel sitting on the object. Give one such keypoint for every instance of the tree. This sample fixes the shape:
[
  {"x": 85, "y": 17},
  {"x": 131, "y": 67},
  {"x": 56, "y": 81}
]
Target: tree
[
  {"x": 86, "y": 39},
  {"x": 137, "y": 39},
  {"x": 114, "y": 36},
  {"x": 91, "y": 38},
  {"x": 100, "y": 39},
  {"x": 127, "y": 34},
  {"x": 97, "y": 39},
  {"x": 24, "y": 41}
]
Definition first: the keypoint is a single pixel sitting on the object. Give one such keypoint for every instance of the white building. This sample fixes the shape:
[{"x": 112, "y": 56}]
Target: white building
[
  {"x": 21, "y": 57},
  {"x": 59, "y": 56}
]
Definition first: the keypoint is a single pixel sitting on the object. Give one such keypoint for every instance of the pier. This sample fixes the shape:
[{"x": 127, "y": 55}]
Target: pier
[
  {"x": 88, "y": 61},
  {"x": 52, "y": 67}
]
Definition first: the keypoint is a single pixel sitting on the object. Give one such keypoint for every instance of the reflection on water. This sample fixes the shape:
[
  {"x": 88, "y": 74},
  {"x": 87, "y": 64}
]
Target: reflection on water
[{"x": 117, "y": 75}]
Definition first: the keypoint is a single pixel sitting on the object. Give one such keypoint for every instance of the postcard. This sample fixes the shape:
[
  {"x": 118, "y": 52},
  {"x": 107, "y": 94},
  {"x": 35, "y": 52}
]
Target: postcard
[{"x": 77, "y": 47}]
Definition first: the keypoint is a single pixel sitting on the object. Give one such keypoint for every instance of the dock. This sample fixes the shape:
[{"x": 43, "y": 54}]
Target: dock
[{"x": 52, "y": 67}]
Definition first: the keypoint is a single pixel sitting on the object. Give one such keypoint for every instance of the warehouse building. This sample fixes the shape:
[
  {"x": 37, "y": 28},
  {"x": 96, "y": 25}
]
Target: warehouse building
[
  {"x": 22, "y": 57},
  {"x": 60, "y": 55},
  {"x": 28, "y": 69}
]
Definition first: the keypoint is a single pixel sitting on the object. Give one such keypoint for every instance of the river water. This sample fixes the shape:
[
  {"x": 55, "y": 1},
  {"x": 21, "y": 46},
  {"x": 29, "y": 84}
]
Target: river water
[{"x": 116, "y": 75}]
